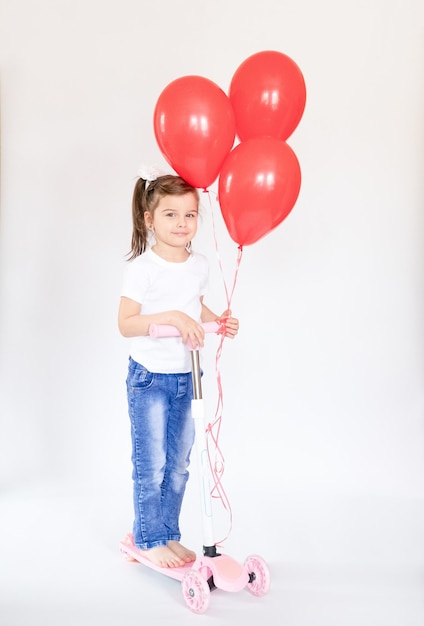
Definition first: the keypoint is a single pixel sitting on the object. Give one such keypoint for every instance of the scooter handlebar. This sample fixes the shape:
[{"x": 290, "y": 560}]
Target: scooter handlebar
[{"x": 166, "y": 330}]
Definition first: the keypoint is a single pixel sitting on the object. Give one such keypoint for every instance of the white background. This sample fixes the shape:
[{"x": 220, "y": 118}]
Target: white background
[{"x": 322, "y": 432}]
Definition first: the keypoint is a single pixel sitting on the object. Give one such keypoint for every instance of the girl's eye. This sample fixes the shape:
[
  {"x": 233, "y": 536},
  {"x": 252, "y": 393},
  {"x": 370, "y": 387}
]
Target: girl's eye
[{"x": 174, "y": 215}]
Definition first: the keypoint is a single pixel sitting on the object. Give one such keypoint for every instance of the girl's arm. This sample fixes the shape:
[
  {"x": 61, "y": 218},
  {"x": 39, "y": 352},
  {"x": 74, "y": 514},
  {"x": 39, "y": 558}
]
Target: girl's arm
[{"x": 132, "y": 323}]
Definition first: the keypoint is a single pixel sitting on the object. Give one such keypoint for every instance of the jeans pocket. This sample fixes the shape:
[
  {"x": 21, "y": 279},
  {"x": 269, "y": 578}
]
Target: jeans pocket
[{"x": 139, "y": 378}]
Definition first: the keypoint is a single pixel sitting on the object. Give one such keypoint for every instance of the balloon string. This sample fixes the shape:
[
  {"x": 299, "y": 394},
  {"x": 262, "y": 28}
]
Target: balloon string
[
  {"x": 229, "y": 296},
  {"x": 215, "y": 455}
]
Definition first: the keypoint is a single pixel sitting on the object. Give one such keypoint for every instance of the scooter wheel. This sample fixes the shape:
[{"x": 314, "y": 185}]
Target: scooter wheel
[
  {"x": 127, "y": 556},
  {"x": 259, "y": 577},
  {"x": 128, "y": 541},
  {"x": 196, "y": 591}
]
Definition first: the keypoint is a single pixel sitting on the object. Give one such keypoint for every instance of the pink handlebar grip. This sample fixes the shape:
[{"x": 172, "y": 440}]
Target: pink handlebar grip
[{"x": 165, "y": 330}]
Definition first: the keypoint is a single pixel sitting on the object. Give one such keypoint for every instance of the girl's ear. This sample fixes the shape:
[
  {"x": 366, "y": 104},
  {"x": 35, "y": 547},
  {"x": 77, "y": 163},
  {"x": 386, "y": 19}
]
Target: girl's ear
[{"x": 148, "y": 219}]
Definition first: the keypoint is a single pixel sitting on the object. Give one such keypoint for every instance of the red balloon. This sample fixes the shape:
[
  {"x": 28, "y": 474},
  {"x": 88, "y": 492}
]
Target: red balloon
[
  {"x": 195, "y": 128},
  {"x": 258, "y": 186},
  {"x": 268, "y": 96}
]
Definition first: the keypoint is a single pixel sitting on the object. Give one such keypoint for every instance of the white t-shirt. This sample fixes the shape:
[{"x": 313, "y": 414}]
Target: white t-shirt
[{"x": 160, "y": 285}]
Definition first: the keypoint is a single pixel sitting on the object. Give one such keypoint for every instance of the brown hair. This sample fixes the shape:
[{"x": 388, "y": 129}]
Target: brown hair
[{"x": 146, "y": 197}]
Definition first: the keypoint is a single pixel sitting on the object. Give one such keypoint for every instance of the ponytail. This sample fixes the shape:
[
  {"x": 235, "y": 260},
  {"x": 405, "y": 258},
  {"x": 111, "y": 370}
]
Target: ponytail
[{"x": 139, "y": 234}]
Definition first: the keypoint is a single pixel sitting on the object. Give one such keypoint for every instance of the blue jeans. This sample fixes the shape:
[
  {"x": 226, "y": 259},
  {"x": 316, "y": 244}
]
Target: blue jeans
[{"x": 162, "y": 432}]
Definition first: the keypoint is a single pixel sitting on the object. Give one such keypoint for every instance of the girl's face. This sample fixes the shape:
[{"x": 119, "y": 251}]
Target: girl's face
[{"x": 174, "y": 220}]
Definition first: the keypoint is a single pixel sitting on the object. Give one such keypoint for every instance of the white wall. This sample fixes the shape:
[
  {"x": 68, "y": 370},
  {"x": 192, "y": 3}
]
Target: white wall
[{"x": 324, "y": 387}]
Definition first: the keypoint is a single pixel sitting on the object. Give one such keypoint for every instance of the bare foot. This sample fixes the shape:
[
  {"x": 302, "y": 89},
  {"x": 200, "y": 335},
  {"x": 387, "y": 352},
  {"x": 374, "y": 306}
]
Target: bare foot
[
  {"x": 183, "y": 553},
  {"x": 163, "y": 557}
]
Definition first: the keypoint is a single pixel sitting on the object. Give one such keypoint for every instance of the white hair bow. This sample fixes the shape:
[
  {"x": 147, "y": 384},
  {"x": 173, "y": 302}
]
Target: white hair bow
[{"x": 149, "y": 173}]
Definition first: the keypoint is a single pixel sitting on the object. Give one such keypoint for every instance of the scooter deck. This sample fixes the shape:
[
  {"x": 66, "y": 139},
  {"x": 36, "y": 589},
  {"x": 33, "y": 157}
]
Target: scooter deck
[
  {"x": 131, "y": 552},
  {"x": 223, "y": 571}
]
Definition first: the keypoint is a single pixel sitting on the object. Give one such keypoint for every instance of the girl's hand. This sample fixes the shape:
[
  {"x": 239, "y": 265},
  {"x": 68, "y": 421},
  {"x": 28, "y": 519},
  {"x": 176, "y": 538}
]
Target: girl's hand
[
  {"x": 189, "y": 329},
  {"x": 230, "y": 325}
]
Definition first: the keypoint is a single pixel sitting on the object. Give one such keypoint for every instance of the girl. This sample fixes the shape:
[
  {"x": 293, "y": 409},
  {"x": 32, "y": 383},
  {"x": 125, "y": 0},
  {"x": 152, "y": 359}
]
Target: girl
[{"x": 164, "y": 283}]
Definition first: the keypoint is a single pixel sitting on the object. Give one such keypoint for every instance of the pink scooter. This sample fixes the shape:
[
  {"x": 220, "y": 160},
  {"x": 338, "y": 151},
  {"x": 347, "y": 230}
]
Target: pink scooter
[{"x": 212, "y": 570}]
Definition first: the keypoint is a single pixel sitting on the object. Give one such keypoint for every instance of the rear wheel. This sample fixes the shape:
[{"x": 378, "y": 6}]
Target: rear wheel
[{"x": 128, "y": 541}]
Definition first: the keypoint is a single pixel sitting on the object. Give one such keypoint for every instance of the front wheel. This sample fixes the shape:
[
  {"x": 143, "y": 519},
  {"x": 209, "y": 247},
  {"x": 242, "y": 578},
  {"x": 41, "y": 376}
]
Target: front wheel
[
  {"x": 196, "y": 592},
  {"x": 259, "y": 577}
]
